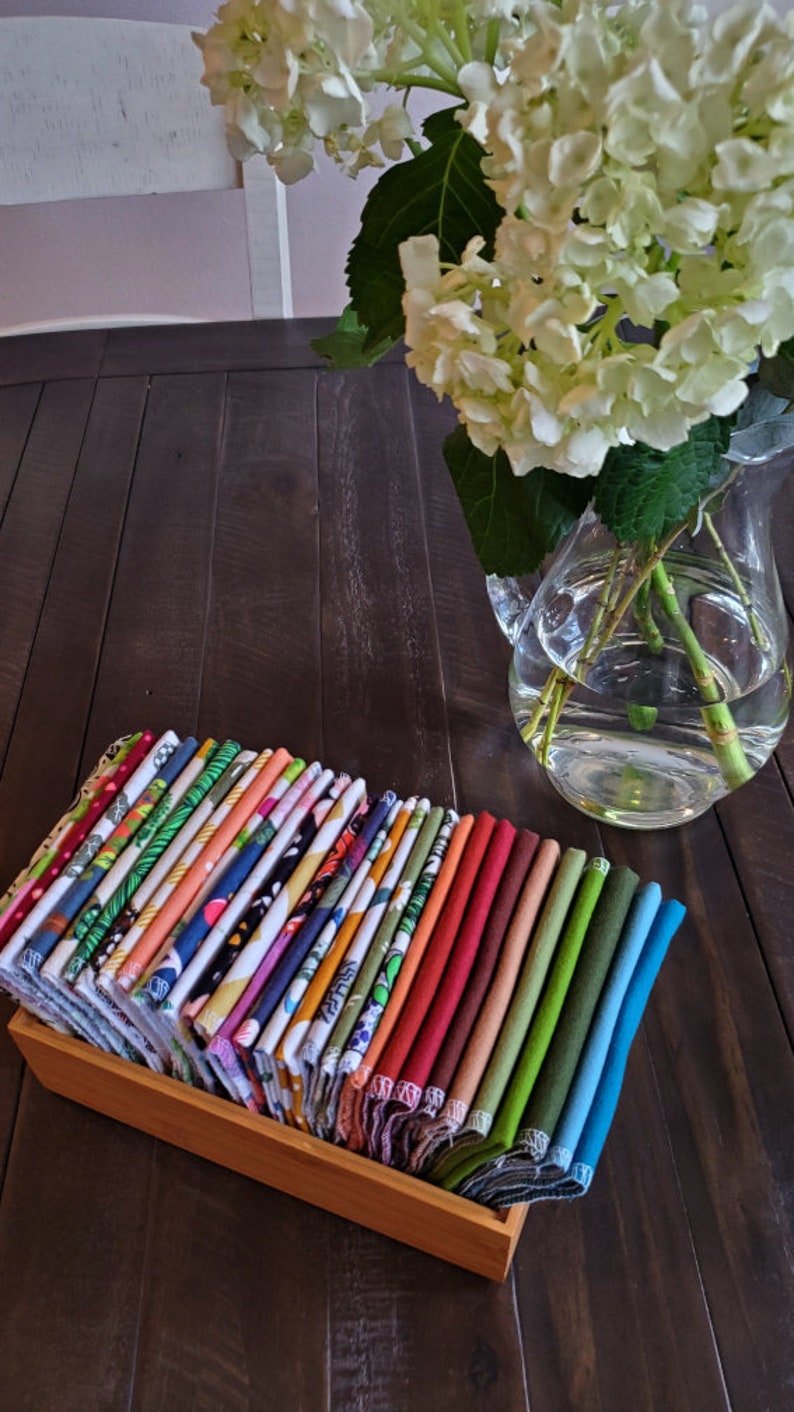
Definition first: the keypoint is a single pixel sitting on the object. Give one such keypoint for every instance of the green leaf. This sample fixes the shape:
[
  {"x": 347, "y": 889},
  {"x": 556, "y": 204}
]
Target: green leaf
[
  {"x": 786, "y": 350},
  {"x": 777, "y": 374},
  {"x": 759, "y": 405},
  {"x": 514, "y": 521},
  {"x": 346, "y": 346},
  {"x": 442, "y": 192},
  {"x": 643, "y": 494}
]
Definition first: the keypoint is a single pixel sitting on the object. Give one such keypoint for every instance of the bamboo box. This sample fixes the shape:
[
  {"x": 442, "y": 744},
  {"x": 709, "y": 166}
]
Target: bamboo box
[{"x": 344, "y": 1183}]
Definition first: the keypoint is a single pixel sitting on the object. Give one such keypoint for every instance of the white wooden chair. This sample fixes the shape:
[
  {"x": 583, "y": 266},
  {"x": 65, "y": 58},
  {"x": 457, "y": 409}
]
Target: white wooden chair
[{"x": 114, "y": 108}]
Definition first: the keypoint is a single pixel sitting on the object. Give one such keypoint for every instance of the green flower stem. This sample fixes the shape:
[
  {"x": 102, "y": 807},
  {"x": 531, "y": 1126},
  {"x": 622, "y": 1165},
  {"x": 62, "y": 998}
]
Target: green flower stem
[
  {"x": 491, "y": 41},
  {"x": 620, "y": 579},
  {"x": 440, "y": 29},
  {"x": 606, "y": 328},
  {"x": 461, "y": 27},
  {"x": 559, "y": 699},
  {"x": 733, "y": 574},
  {"x": 556, "y": 676},
  {"x": 419, "y": 35},
  {"x": 601, "y": 607},
  {"x": 721, "y": 729},
  {"x": 645, "y": 619},
  {"x": 407, "y": 80},
  {"x": 559, "y": 685},
  {"x": 628, "y": 598}
]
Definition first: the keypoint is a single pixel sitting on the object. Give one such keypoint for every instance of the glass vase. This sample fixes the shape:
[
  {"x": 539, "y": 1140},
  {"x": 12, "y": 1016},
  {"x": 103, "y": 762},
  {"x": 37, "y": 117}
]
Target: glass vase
[{"x": 650, "y": 683}]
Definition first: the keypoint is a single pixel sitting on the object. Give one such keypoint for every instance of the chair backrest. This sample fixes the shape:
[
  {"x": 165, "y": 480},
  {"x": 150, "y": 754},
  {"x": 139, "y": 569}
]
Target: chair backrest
[{"x": 114, "y": 108}]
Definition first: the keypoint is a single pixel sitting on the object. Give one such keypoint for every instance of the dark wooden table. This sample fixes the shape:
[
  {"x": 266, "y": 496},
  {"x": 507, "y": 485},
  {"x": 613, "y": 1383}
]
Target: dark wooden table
[{"x": 201, "y": 529}]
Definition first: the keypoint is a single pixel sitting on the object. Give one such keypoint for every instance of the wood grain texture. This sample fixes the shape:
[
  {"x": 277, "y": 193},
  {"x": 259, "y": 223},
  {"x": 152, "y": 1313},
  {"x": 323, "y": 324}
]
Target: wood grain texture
[
  {"x": 211, "y": 1334},
  {"x": 262, "y": 669},
  {"x": 29, "y": 358},
  {"x": 42, "y": 767},
  {"x": 72, "y": 1225},
  {"x": 150, "y": 667},
  {"x": 749, "y": 819},
  {"x": 10, "y": 1081},
  {"x": 669, "y": 1287},
  {"x": 17, "y": 407},
  {"x": 30, "y": 530},
  {"x": 383, "y": 700},
  {"x": 408, "y": 1334},
  {"x": 724, "y": 1065},
  {"x": 602, "y": 1327},
  {"x": 184, "y": 348}
]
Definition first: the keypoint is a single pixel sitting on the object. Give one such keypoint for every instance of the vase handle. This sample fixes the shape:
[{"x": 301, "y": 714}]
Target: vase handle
[{"x": 510, "y": 599}]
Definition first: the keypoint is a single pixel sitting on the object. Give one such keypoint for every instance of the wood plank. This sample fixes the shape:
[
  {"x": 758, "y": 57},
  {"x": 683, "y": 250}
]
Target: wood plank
[
  {"x": 244, "y": 346},
  {"x": 17, "y": 409},
  {"x": 232, "y": 1315},
  {"x": 94, "y": 1280},
  {"x": 596, "y": 1276},
  {"x": 40, "y": 357},
  {"x": 10, "y": 1081},
  {"x": 72, "y": 1226},
  {"x": 261, "y": 672},
  {"x": 43, "y": 761},
  {"x": 30, "y": 530},
  {"x": 383, "y": 700},
  {"x": 150, "y": 667},
  {"x": 751, "y": 817},
  {"x": 408, "y": 1334},
  {"x": 404, "y": 1332},
  {"x": 726, "y": 1073}
]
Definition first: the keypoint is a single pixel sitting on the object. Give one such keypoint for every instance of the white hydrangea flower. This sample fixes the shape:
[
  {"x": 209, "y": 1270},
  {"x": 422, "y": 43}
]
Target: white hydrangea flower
[
  {"x": 645, "y": 171},
  {"x": 642, "y": 153}
]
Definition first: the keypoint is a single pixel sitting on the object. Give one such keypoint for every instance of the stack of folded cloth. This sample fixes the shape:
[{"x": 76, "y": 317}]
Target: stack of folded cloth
[{"x": 449, "y": 995}]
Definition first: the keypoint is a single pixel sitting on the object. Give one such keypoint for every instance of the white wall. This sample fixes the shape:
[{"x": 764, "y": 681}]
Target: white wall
[{"x": 182, "y": 255}]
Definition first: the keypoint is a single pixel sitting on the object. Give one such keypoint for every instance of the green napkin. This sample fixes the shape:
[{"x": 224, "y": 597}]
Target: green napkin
[{"x": 551, "y": 1090}]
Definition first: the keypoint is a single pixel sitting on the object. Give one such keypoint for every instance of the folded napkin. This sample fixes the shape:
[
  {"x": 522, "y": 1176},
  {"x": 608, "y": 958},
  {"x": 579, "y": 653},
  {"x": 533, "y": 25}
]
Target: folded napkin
[
  {"x": 539, "y": 1087},
  {"x": 438, "y": 1131},
  {"x": 442, "y": 1012},
  {"x": 450, "y": 995},
  {"x": 579, "y": 1173},
  {"x": 512, "y": 1035}
]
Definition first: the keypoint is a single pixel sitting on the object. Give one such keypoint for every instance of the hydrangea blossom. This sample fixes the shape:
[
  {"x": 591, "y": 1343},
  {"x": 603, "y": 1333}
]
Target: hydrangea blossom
[
  {"x": 642, "y": 154},
  {"x": 646, "y": 173},
  {"x": 292, "y": 73}
]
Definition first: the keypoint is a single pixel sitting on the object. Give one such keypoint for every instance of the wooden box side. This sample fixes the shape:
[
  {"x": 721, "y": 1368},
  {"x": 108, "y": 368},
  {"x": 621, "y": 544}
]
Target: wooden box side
[{"x": 384, "y": 1200}]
